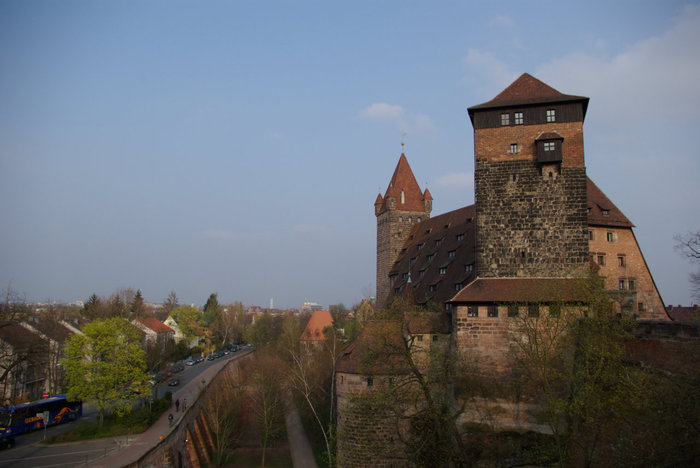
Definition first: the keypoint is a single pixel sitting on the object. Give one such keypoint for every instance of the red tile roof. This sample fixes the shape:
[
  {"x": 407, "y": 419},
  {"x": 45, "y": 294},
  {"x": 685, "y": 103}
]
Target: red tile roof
[
  {"x": 404, "y": 181},
  {"x": 528, "y": 90},
  {"x": 598, "y": 203},
  {"x": 155, "y": 325},
  {"x": 314, "y": 329},
  {"x": 522, "y": 290}
]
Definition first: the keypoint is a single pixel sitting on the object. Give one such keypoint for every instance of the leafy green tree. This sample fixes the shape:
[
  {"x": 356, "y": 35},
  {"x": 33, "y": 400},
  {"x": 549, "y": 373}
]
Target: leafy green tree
[
  {"x": 186, "y": 318},
  {"x": 265, "y": 330},
  {"x": 106, "y": 363},
  {"x": 211, "y": 309}
]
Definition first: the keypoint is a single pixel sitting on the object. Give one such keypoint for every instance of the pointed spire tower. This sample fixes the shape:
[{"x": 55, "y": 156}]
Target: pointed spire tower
[{"x": 398, "y": 211}]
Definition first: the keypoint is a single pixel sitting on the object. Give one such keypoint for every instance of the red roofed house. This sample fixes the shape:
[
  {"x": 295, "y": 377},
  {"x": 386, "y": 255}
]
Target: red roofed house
[
  {"x": 313, "y": 333},
  {"x": 154, "y": 330}
]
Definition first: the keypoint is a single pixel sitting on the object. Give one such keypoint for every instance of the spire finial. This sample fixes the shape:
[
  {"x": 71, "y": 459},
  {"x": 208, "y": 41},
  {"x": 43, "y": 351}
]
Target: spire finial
[{"x": 403, "y": 137}]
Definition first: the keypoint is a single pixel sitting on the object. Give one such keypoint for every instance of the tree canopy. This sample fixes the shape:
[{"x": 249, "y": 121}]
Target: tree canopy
[{"x": 106, "y": 363}]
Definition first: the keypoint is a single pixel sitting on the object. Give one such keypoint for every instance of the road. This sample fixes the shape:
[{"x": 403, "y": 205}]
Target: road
[{"x": 31, "y": 453}]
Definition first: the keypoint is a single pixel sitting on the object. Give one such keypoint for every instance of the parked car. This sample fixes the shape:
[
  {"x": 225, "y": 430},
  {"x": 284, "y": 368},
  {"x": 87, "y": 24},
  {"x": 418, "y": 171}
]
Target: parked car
[
  {"x": 210, "y": 357},
  {"x": 173, "y": 382},
  {"x": 190, "y": 362}
]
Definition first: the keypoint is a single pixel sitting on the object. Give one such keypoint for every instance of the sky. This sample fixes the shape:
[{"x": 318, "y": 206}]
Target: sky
[{"x": 238, "y": 147}]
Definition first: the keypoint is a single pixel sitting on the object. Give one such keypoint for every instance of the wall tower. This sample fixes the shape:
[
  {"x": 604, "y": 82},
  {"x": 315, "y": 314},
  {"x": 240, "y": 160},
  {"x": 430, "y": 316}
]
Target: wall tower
[
  {"x": 530, "y": 182},
  {"x": 403, "y": 205}
]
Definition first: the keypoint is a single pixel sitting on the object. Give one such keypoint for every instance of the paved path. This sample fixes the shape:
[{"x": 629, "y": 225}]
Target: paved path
[
  {"x": 150, "y": 438},
  {"x": 299, "y": 446}
]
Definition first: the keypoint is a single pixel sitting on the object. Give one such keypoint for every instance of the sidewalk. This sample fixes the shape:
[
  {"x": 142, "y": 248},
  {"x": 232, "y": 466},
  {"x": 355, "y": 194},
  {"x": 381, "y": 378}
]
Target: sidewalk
[
  {"x": 148, "y": 439},
  {"x": 299, "y": 446}
]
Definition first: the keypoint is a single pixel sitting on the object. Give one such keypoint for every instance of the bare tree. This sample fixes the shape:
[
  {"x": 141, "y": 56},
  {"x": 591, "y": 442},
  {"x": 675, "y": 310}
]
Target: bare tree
[
  {"x": 688, "y": 245},
  {"x": 223, "y": 407}
]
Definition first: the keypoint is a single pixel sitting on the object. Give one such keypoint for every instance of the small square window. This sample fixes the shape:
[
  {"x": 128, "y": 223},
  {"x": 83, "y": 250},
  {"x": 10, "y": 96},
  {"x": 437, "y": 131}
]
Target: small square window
[
  {"x": 404, "y": 276},
  {"x": 518, "y": 117},
  {"x": 435, "y": 337},
  {"x": 459, "y": 286},
  {"x": 606, "y": 212},
  {"x": 438, "y": 242},
  {"x": 621, "y": 284},
  {"x": 451, "y": 254},
  {"x": 631, "y": 285},
  {"x": 460, "y": 237},
  {"x": 611, "y": 236},
  {"x": 533, "y": 310},
  {"x": 601, "y": 260},
  {"x": 420, "y": 246},
  {"x": 549, "y": 146},
  {"x": 505, "y": 119},
  {"x": 419, "y": 337},
  {"x": 555, "y": 310},
  {"x": 370, "y": 381},
  {"x": 513, "y": 148},
  {"x": 468, "y": 268},
  {"x": 431, "y": 288},
  {"x": 512, "y": 310},
  {"x": 492, "y": 311},
  {"x": 421, "y": 273},
  {"x": 621, "y": 260},
  {"x": 472, "y": 311},
  {"x": 551, "y": 115},
  {"x": 443, "y": 270},
  {"x": 640, "y": 307},
  {"x": 591, "y": 236},
  {"x": 430, "y": 257}
]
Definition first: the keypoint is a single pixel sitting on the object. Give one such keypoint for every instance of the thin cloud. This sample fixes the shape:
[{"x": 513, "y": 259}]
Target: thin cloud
[
  {"x": 502, "y": 21},
  {"x": 399, "y": 117},
  {"x": 217, "y": 234}
]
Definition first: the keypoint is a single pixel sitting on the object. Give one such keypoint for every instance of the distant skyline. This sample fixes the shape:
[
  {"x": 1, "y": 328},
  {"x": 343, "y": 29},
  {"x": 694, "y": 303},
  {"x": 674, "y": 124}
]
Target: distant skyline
[{"x": 238, "y": 147}]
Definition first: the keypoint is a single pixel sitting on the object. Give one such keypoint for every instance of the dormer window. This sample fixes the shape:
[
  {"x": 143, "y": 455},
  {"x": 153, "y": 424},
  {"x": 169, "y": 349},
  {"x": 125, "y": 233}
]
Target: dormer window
[
  {"x": 438, "y": 242},
  {"x": 460, "y": 237},
  {"x": 549, "y": 147},
  {"x": 443, "y": 270},
  {"x": 551, "y": 115},
  {"x": 505, "y": 119},
  {"x": 469, "y": 268},
  {"x": 451, "y": 254}
]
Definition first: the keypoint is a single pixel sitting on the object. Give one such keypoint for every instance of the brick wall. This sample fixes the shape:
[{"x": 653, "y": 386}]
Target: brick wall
[{"x": 621, "y": 243}]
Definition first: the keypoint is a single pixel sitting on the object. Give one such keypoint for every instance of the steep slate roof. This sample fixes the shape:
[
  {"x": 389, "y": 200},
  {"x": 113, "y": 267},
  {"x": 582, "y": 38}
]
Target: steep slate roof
[
  {"x": 404, "y": 180},
  {"x": 154, "y": 324},
  {"x": 314, "y": 329},
  {"x": 527, "y": 90},
  {"x": 522, "y": 290},
  {"x": 445, "y": 228},
  {"x": 422, "y": 243},
  {"x": 684, "y": 314},
  {"x": 597, "y": 202},
  {"x": 54, "y": 330}
]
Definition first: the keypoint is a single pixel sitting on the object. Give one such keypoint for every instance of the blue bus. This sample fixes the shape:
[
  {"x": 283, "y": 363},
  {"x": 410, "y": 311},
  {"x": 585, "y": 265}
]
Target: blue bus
[{"x": 28, "y": 417}]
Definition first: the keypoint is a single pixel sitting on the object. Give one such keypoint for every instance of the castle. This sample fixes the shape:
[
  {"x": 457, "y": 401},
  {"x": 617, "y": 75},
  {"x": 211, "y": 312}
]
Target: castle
[{"x": 538, "y": 224}]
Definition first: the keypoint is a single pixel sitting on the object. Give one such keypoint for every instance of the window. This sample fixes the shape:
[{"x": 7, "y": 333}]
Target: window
[
  {"x": 591, "y": 236},
  {"x": 601, "y": 259},
  {"x": 460, "y": 237},
  {"x": 442, "y": 270},
  {"x": 421, "y": 273},
  {"x": 451, "y": 254},
  {"x": 468, "y": 268},
  {"x": 459, "y": 286},
  {"x": 430, "y": 257},
  {"x": 505, "y": 119},
  {"x": 533, "y": 310},
  {"x": 492, "y": 311},
  {"x": 631, "y": 285},
  {"x": 513, "y": 148},
  {"x": 411, "y": 261},
  {"x": 518, "y": 117},
  {"x": 611, "y": 236},
  {"x": 420, "y": 246},
  {"x": 640, "y": 307},
  {"x": 435, "y": 337},
  {"x": 549, "y": 146},
  {"x": 431, "y": 288},
  {"x": 621, "y": 284},
  {"x": 419, "y": 337},
  {"x": 438, "y": 242},
  {"x": 606, "y": 212},
  {"x": 448, "y": 307},
  {"x": 404, "y": 276},
  {"x": 370, "y": 381},
  {"x": 512, "y": 310},
  {"x": 397, "y": 291},
  {"x": 472, "y": 311},
  {"x": 621, "y": 260},
  {"x": 554, "y": 310},
  {"x": 551, "y": 115}
]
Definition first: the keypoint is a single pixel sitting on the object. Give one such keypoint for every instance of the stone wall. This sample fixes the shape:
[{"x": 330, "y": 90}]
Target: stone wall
[
  {"x": 393, "y": 229},
  {"x": 529, "y": 223}
]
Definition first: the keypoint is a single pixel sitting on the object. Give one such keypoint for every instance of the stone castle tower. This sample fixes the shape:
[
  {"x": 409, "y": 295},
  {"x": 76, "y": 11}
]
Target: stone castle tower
[
  {"x": 403, "y": 205},
  {"x": 530, "y": 182}
]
